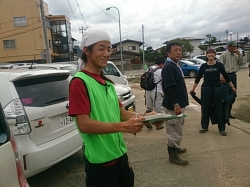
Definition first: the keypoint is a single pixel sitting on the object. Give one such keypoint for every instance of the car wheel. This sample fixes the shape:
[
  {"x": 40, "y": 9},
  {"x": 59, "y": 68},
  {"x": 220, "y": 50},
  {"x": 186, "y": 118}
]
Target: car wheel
[{"x": 192, "y": 74}]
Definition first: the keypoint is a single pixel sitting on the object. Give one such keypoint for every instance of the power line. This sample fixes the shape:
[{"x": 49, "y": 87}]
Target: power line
[
  {"x": 81, "y": 14},
  {"x": 103, "y": 10},
  {"x": 21, "y": 32},
  {"x": 73, "y": 13},
  {"x": 19, "y": 28}
]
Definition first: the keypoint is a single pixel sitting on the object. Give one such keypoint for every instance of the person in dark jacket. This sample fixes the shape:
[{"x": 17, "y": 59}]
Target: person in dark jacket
[
  {"x": 210, "y": 91},
  {"x": 175, "y": 100}
]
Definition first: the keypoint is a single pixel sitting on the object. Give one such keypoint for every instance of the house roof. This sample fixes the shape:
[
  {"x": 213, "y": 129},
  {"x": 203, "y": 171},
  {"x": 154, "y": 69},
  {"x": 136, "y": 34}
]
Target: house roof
[
  {"x": 187, "y": 38},
  {"x": 128, "y": 40},
  {"x": 125, "y": 52}
]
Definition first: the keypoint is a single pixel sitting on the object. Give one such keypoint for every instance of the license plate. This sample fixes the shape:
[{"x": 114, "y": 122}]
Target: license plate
[{"x": 65, "y": 120}]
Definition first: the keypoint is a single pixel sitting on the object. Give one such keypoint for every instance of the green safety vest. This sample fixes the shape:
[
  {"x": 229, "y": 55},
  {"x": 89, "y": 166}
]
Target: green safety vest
[{"x": 104, "y": 107}]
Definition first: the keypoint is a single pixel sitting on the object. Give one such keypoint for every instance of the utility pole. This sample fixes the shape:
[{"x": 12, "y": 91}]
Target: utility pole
[
  {"x": 143, "y": 57},
  {"x": 237, "y": 41},
  {"x": 45, "y": 36},
  {"x": 82, "y": 29}
]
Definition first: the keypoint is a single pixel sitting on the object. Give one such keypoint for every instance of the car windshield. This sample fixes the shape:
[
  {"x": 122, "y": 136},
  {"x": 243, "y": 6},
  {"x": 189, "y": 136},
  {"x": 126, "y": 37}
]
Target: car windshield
[
  {"x": 110, "y": 70},
  {"x": 188, "y": 62},
  {"x": 191, "y": 60},
  {"x": 43, "y": 91}
]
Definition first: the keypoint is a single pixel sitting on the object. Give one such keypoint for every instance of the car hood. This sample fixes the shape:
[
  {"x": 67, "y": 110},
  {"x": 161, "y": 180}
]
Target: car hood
[{"x": 121, "y": 89}]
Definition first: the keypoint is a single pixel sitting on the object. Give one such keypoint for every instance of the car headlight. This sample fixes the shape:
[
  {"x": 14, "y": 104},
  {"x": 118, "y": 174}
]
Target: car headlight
[{"x": 120, "y": 97}]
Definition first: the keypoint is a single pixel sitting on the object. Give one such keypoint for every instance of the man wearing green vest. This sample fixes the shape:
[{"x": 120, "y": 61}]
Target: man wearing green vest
[{"x": 100, "y": 117}]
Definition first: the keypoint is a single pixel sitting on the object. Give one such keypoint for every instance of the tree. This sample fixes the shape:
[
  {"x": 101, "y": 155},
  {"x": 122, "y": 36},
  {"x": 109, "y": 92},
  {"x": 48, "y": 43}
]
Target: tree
[
  {"x": 246, "y": 39},
  {"x": 149, "y": 54},
  {"x": 211, "y": 40}
]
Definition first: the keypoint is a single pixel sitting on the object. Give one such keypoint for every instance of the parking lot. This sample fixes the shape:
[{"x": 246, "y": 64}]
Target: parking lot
[{"x": 214, "y": 160}]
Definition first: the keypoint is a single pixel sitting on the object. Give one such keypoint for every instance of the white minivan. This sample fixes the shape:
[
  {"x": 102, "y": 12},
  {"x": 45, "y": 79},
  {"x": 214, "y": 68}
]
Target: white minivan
[
  {"x": 112, "y": 72},
  {"x": 11, "y": 173},
  {"x": 123, "y": 91},
  {"x": 35, "y": 103}
]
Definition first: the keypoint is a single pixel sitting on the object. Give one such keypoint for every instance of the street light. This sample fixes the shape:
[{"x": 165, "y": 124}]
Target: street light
[{"x": 120, "y": 34}]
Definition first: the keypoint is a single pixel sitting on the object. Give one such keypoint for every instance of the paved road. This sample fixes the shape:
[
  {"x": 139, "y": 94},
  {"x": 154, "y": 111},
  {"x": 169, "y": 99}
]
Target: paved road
[{"x": 215, "y": 161}]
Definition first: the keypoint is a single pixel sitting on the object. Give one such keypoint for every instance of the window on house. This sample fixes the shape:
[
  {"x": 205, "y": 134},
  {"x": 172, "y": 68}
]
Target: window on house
[
  {"x": 131, "y": 48},
  {"x": 9, "y": 44},
  {"x": 20, "y": 21}
]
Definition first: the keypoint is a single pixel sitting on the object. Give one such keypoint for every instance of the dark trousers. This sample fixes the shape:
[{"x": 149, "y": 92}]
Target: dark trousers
[
  {"x": 119, "y": 174},
  {"x": 226, "y": 90},
  {"x": 210, "y": 96}
]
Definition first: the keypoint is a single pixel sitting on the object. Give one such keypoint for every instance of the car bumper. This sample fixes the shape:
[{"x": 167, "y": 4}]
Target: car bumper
[
  {"x": 129, "y": 104},
  {"x": 35, "y": 159}
]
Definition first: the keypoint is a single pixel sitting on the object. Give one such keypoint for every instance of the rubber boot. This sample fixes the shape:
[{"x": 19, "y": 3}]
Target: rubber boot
[
  {"x": 174, "y": 158},
  {"x": 182, "y": 150}
]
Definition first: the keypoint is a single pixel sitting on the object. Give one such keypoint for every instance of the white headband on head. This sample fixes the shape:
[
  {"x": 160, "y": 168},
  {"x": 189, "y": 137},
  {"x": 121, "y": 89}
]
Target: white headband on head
[{"x": 92, "y": 37}]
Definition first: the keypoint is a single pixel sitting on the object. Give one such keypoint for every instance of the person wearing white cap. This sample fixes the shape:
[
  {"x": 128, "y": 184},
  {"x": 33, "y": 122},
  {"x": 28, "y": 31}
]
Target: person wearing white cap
[{"x": 100, "y": 117}]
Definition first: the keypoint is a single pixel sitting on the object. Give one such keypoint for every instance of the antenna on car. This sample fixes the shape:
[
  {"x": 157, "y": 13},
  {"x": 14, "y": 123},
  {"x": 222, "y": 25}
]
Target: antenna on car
[{"x": 32, "y": 62}]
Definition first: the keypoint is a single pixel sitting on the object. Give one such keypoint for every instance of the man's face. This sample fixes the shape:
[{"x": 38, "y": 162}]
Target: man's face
[
  {"x": 175, "y": 53},
  {"x": 100, "y": 54},
  {"x": 231, "y": 48}
]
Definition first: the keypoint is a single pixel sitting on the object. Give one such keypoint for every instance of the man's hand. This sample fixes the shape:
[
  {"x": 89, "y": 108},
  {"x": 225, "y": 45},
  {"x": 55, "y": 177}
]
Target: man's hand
[
  {"x": 222, "y": 80},
  {"x": 177, "y": 110},
  {"x": 133, "y": 125},
  {"x": 237, "y": 51}
]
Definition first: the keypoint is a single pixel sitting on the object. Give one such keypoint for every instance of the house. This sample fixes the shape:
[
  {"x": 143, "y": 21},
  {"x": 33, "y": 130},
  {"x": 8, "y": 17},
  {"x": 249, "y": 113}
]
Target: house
[
  {"x": 195, "y": 42},
  {"x": 22, "y": 36},
  {"x": 130, "y": 52}
]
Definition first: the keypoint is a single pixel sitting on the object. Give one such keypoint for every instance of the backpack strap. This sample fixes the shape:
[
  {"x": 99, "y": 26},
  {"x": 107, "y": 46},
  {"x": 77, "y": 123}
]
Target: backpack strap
[{"x": 155, "y": 69}]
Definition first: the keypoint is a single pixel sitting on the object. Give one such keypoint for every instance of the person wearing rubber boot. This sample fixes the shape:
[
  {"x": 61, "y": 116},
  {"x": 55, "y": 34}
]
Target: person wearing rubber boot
[
  {"x": 174, "y": 102},
  {"x": 231, "y": 60}
]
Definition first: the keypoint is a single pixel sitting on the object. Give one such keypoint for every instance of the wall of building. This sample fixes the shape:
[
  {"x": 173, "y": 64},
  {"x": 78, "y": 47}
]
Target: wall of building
[
  {"x": 196, "y": 44},
  {"x": 126, "y": 46},
  {"x": 28, "y": 39}
]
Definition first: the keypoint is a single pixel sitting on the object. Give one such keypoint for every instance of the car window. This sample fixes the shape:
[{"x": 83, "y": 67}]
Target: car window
[
  {"x": 43, "y": 91},
  {"x": 187, "y": 62},
  {"x": 191, "y": 60},
  {"x": 72, "y": 69},
  {"x": 110, "y": 70},
  {"x": 202, "y": 57}
]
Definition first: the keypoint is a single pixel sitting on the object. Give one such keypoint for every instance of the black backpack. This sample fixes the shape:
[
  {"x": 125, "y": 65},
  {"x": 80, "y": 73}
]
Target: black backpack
[{"x": 147, "y": 79}]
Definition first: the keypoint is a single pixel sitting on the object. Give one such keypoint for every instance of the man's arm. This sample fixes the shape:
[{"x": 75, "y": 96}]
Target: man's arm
[
  {"x": 172, "y": 97},
  {"x": 90, "y": 126},
  {"x": 240, "y": 60}
]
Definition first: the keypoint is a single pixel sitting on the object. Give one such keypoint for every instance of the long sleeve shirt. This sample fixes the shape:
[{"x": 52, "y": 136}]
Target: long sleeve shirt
[
  {"x": 231, "y": 61},
  {"x": 211, "y": 75}
]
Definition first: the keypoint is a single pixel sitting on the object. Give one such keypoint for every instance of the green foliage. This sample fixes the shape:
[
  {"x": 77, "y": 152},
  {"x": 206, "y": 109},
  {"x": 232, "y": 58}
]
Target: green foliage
[
  {"x": 149, "y": 54},
  {"x": 202, "y": 47}
]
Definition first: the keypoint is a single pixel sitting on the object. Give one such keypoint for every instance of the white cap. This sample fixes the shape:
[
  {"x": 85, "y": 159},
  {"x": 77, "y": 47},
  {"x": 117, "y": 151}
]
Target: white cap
[{"x": 92, "y": 37}]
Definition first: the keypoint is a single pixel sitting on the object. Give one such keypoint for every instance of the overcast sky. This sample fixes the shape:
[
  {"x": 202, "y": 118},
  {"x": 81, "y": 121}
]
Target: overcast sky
[{"x": 163, "y": 20}]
